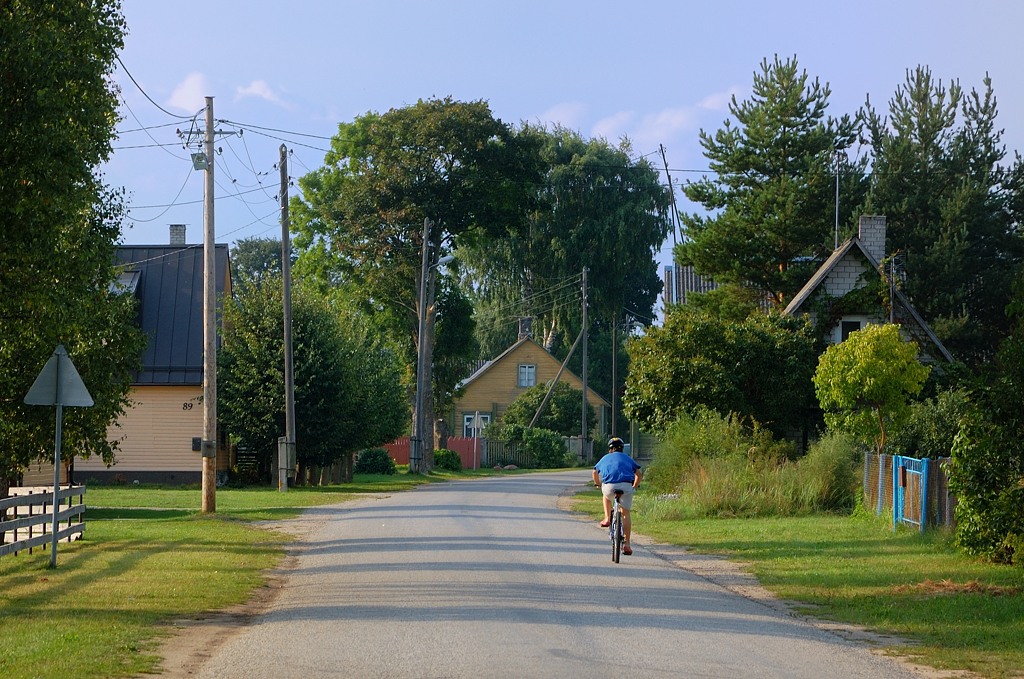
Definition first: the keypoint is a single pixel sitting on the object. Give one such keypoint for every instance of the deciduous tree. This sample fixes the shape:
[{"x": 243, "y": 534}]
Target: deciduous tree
[
  {"x": 58, "y": 108},
  {"x": 864, "y": 384},
  {"x": 759, "y": 368},
  {"x": 362, "y": 214}
]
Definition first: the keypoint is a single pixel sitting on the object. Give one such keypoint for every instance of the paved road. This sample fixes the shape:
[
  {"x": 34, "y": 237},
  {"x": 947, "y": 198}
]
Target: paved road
[{"x": 488, "y": 578}]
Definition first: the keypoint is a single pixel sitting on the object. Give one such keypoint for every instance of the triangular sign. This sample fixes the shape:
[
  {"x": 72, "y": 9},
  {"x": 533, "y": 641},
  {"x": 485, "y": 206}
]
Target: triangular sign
[{"x": 59, "y": 383}]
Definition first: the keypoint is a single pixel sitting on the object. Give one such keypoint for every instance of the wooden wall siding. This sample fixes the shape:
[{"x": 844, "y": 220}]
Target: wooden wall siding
[
  {"x": 496, "y": 388},
  {"x": 41, "y": 474},
  {"x": 156, "y": 434}
]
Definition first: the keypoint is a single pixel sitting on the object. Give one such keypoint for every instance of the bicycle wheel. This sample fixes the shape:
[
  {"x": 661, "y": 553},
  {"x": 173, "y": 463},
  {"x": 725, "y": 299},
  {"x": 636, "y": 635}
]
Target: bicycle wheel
[{"x": 616, "y": 533}]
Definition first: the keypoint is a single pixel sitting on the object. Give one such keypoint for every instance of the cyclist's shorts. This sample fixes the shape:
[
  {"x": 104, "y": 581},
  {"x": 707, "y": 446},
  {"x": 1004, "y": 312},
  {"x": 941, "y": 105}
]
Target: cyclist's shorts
[{"x": 608, "y": 490}]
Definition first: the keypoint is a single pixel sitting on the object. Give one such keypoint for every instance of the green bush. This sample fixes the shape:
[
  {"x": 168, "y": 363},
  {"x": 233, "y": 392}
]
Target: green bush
[
  {"x": 544, "y": 448},
  {"x": 375, "y": 461},
  {"x": 989, "y": 521},
  {"x": 931, "y": 427},
  {"x": 447, "y": 459}
]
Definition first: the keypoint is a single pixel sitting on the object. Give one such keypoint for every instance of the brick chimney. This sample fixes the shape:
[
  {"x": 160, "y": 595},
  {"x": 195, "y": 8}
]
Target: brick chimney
[
  {"x": 178, "y": 234},
  {"x": 871, "y": 235},
  {"x": 525, "y": 327}
]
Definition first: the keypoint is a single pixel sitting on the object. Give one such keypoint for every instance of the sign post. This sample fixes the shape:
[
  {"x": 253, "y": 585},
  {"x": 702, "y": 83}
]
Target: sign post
[{"x": 58, "y": 384}]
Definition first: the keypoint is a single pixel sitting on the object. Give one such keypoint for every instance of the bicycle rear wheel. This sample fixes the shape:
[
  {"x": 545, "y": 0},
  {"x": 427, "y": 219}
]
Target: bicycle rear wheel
[{"x": 616, "y": 533}]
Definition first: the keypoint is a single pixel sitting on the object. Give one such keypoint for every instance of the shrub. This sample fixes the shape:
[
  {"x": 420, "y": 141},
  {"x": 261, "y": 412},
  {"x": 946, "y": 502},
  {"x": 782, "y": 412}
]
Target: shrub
[
  {"x": 447, "y": 459},
  {"x": 931, "y": 426},
  {"x": 546, "y": 448},
  {"x": 989, "y": 521},
  {"x": 718, "y": 468},
  {"x": 375, "y": 461}
]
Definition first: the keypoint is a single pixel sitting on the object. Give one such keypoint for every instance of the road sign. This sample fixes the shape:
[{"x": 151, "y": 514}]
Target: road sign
[{"x": 59, "y": 383}]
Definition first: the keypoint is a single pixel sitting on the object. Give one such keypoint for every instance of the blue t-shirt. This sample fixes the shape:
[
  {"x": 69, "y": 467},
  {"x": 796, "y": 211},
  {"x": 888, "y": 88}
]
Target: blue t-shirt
[{"x": 617, "y": 468}]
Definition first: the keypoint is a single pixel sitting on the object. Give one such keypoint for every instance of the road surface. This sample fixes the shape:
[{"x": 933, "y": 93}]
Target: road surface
[{"x": 488, "y": 578}]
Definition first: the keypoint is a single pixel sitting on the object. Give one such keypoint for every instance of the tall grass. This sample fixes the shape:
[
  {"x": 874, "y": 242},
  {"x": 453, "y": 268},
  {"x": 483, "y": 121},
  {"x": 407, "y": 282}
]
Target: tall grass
[{"x": 714, "y": 467}]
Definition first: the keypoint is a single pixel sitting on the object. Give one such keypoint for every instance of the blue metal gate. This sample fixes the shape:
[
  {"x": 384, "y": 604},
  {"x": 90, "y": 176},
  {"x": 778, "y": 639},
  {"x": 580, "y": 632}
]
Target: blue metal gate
[{"x": 909, "y": 491}]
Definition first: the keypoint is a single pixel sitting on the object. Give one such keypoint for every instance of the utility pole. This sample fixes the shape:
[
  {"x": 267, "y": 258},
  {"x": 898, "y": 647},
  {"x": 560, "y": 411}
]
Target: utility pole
[
  {"x": 615, "y": 369},
  {"x": 583, "y": 442},
  {"x": 209, "y": 445},
  {"x": 672, "y": 195},
  {"x": 419, "y": 422},
  {"x": 289, "y": 369}
]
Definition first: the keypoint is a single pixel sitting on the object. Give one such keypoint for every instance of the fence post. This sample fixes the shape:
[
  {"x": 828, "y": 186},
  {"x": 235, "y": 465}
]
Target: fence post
[
  {"x": 895, "y": 491},
  {"x": 924, "y": 493}
]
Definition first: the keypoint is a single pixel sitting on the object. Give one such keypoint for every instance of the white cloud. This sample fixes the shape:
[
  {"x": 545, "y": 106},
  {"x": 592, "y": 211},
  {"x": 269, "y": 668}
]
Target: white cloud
[
  {"x": 613, "y": 127},
  {"x": 567, "y": 114},
  {"x": 663, "y": 126},
  {"x": 259, "y": 89},
  {"x": 719, "y": 101},
  {"x": 190, "y": 93}
]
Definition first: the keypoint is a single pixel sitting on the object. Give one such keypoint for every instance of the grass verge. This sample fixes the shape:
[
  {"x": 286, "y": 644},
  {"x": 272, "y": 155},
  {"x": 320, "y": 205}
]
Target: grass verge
[
  {"x": 147, "y": 557},
  {"x": 959, "y": 613}
]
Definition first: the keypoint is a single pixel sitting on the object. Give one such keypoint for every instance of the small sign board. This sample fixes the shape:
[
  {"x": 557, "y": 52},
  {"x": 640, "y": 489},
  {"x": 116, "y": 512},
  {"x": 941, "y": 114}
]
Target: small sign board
[{"x": 59, "y": 384}]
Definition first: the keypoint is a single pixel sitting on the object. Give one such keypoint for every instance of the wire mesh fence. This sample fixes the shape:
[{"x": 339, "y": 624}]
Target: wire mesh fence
[{"x": 887, "y": 481}]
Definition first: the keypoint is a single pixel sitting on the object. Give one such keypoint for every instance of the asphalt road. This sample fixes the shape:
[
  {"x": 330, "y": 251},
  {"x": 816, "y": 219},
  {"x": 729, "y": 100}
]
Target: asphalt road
[{"x": 488, "y": 578}]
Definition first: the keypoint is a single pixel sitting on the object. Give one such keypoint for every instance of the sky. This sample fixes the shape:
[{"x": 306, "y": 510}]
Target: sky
[{"x": 655, "y": 71}]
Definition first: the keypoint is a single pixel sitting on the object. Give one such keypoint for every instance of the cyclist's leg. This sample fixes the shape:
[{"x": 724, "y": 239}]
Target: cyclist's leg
[{"x": 606, "y": 498}]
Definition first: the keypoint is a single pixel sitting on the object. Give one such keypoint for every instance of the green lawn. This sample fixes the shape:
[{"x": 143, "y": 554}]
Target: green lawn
[
  {"x": 960, "y": 612},
  {"x": 147, "y": 557}
]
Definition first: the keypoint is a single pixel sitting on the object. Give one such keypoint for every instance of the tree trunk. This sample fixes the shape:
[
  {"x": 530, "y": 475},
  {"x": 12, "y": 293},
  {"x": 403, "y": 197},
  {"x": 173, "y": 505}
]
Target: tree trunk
[{"x": 346, "y": 465}]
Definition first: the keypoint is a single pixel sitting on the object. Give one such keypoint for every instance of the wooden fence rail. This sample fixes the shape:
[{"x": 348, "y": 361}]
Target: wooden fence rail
[{"x": 26, "y": 518}]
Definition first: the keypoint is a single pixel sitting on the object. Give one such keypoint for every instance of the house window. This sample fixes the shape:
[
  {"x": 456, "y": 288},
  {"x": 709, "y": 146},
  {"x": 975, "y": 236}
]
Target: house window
[
  {"x": 848, "y": 327},
  {"x": 468, "y": 430},
  {"x": 527, "y": 375}
]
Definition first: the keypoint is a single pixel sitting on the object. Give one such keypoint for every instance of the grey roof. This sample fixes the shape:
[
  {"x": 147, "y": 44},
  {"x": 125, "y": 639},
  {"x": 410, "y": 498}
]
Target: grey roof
[
  {"x": 169, "y": 286},
  {"x": 854, "y": 244}
]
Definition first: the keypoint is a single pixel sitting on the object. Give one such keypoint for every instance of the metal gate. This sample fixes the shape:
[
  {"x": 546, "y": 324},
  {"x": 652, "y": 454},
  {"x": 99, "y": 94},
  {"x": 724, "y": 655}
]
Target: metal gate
[{"x": 909, "y": 491}]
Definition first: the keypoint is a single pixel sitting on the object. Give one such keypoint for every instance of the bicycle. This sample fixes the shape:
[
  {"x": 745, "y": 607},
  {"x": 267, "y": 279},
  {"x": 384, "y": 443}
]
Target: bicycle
[{"x": 615, "y": 529}]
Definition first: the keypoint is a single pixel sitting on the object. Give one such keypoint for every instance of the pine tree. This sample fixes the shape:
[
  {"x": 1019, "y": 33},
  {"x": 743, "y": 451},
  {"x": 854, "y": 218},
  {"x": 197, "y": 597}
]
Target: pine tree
[{"x": 772, "y": 202}]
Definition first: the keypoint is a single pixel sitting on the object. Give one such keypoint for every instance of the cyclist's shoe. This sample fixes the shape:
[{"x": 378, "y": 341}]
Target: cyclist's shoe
[
  {"x": 605, "y": 524},
  {"x": 627, "y": 550}
]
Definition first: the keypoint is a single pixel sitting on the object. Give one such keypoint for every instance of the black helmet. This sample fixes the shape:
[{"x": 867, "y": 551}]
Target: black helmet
[{"x": 615, "y": 443}]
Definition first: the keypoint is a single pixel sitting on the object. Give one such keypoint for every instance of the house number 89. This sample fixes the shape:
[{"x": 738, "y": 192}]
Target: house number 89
[{"x": 187, "y": 405}]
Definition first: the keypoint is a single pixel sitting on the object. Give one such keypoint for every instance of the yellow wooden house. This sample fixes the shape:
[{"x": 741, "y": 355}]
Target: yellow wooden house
[
  {"x": 156, "y": 432},
  {"x": 497, "y": 383}
]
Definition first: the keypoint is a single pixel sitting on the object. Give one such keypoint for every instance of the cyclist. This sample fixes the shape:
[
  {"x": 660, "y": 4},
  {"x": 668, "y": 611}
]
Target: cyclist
[{"x": 617, "y": 471}]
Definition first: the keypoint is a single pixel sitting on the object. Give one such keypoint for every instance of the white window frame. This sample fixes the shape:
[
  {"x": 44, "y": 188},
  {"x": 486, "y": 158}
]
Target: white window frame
[
  {"x": 467, "y": 424},
  {"x": 527, "y": 375}
]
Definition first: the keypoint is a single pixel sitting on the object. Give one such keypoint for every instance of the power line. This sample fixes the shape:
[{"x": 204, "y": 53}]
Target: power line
[{"x": 145, "y": 94}]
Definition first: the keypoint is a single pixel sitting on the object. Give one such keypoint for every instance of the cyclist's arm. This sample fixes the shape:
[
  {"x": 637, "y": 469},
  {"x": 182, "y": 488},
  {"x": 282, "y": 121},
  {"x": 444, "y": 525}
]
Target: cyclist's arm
[
  {"x": 637, "y": 478},
  {"x": 597, "y": 478}
]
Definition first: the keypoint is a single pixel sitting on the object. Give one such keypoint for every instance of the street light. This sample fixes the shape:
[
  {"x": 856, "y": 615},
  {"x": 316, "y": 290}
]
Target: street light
[{"x": 424, "y": 352}]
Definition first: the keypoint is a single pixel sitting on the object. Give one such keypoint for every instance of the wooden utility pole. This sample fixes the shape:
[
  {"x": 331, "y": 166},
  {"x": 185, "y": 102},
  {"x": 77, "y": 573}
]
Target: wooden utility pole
[
  {"x": 209, "y": 445},
  {"x": 672, "y": 195},
  {"x": 289, "y": 370},
  {"x": 583, "y": 442}
]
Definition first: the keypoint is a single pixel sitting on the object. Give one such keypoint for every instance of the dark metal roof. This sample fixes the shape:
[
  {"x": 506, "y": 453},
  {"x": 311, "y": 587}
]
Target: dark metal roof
[{"x": 170, "y": 293}]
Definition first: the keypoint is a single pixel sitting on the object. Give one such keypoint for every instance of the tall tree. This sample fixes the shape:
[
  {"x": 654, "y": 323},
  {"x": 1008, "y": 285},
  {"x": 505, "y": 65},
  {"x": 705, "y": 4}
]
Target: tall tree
[
  {"x": 58, "y": 108},
  {"x": 758, "y": 368},
  {"x": 949, "y": 207},
  {"x": 362, "y": 214},
  {"x": 347, "y": 389},
  {"x": 772, "y": 200},
  {"x": 597, "y": 207}
]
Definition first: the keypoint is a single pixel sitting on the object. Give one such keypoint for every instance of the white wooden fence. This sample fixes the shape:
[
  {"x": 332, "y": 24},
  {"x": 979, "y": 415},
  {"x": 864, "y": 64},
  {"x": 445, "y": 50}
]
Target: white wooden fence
[{"x": 26, "y": 518}]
